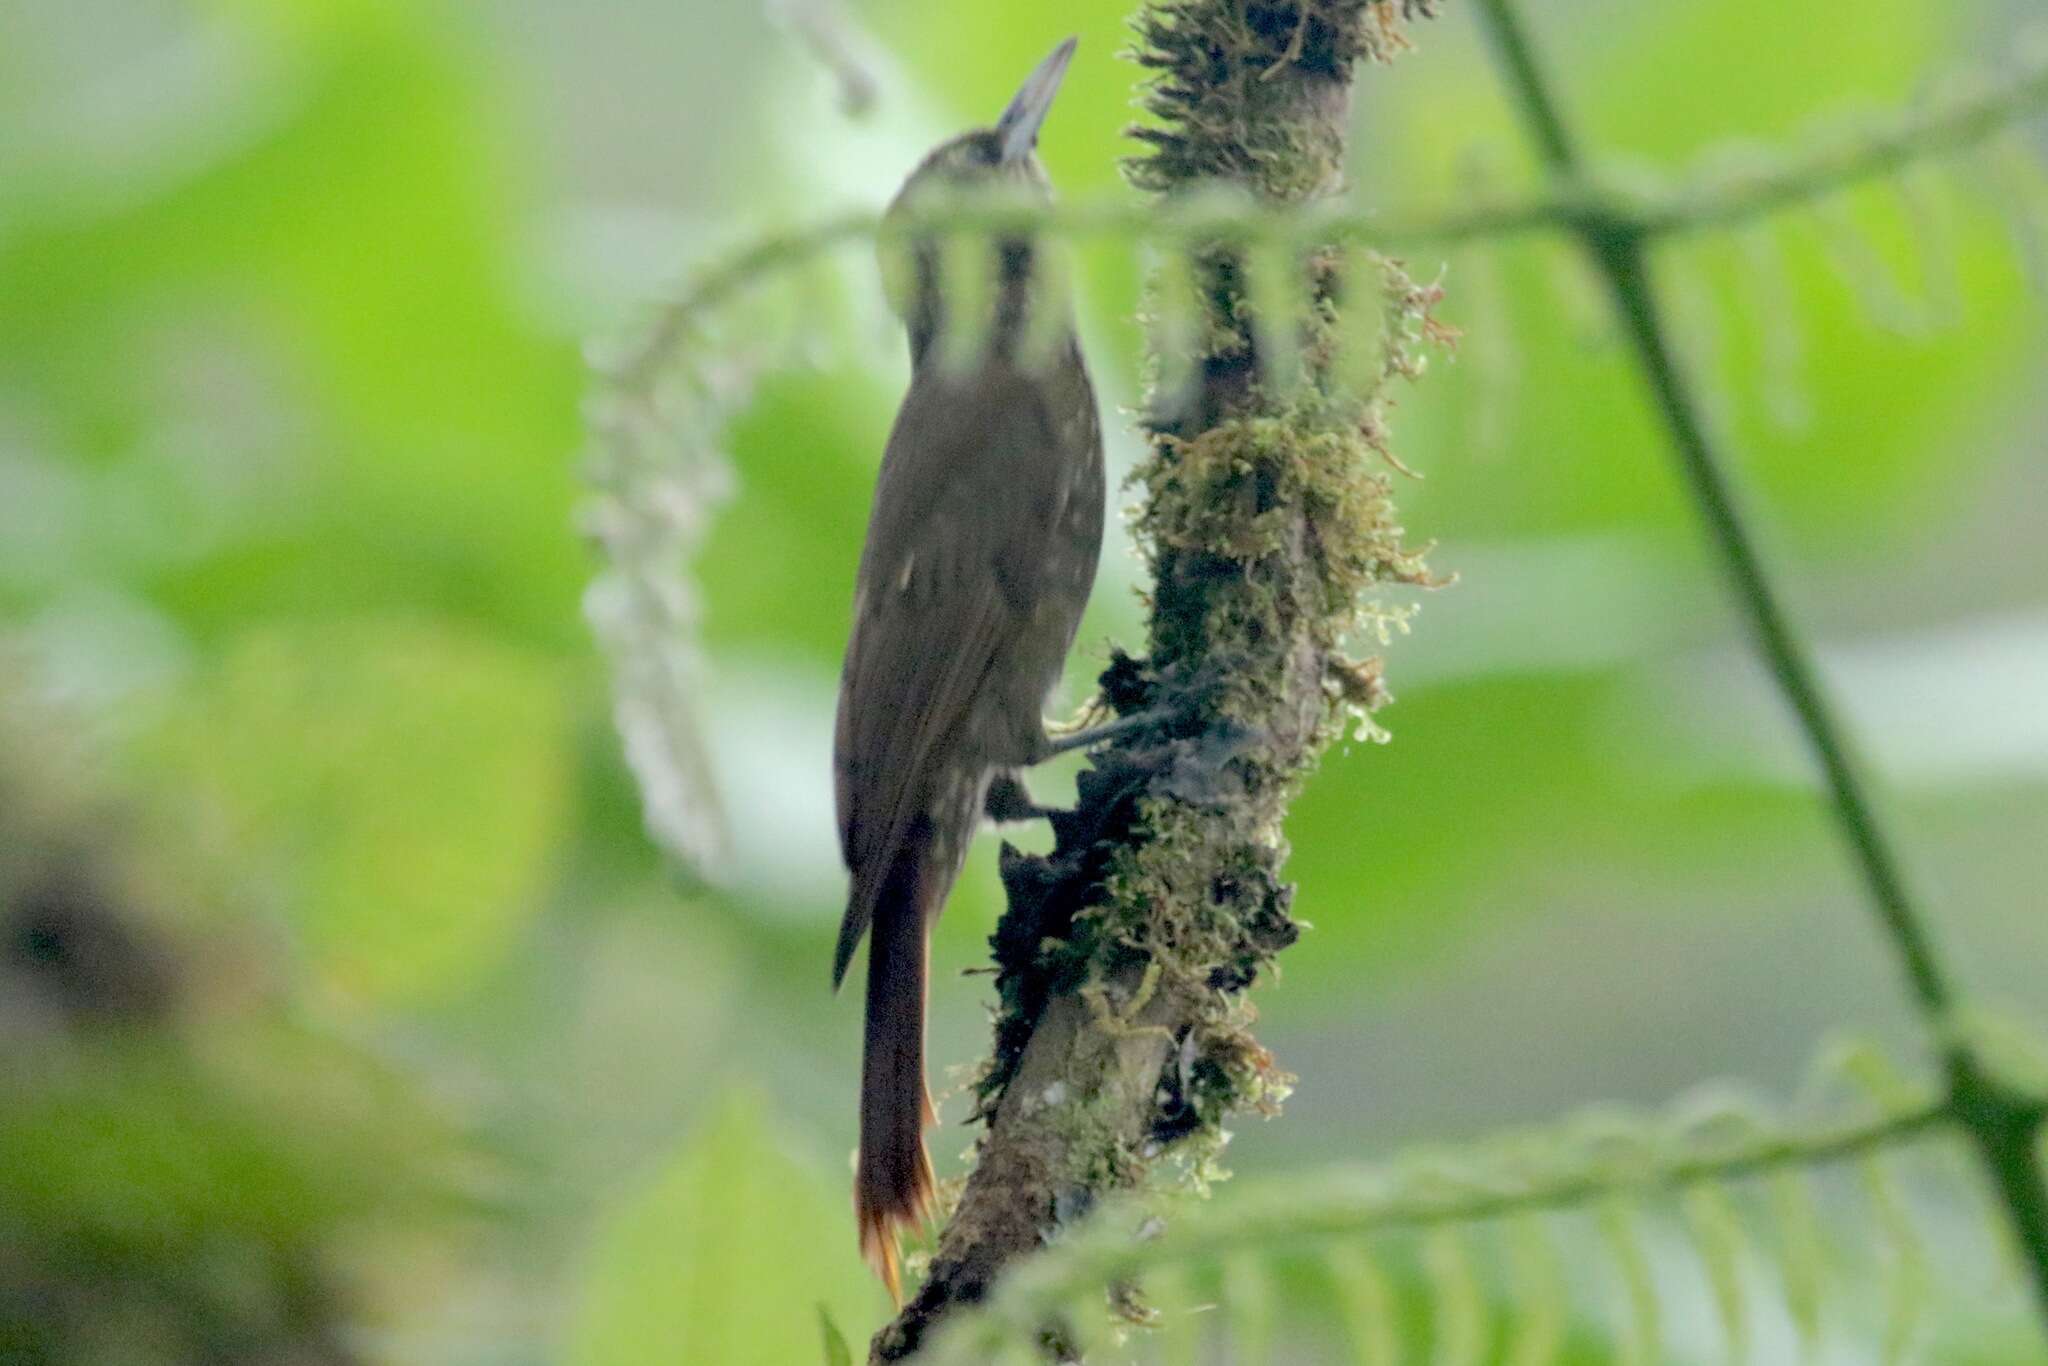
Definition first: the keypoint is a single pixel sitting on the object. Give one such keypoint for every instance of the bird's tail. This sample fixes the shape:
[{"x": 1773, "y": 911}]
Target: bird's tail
[{"x": 893, "y": 1185}]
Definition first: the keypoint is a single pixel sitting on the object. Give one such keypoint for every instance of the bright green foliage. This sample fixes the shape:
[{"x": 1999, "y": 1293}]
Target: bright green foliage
[
  {"x": 411, "y": 779},
  {"x": 713, "y": 1257},
  {"x": 837, "y": 1353},
  {"x": 291, "y": 293},
  {"x": 1295, "y": 465}
]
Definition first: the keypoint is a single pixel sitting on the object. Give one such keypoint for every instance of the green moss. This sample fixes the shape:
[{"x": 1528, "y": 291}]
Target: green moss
[
  {"x": 1098, "y": 1156},
  {"x": 1218, "y": 112},
  {"x": 1264, "y": 533}
]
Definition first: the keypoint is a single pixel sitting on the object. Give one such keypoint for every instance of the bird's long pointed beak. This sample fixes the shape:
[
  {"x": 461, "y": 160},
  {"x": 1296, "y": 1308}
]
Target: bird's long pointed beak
[{"x": 1018, "y": 127}]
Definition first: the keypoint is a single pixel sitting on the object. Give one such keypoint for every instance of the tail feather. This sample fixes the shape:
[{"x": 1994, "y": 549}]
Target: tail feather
[{"x": 893, "y": 1185}]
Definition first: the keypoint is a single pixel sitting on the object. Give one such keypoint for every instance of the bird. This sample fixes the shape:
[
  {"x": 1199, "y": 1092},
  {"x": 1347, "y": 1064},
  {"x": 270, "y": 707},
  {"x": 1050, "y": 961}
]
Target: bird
[{"x": 981, "y": 551}]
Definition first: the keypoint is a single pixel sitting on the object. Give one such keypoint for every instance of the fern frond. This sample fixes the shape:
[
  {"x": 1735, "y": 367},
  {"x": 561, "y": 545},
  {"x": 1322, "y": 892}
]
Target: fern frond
[
  {"x": 1173, "y": 317},
  {"x": 1964, "y": 114},
  {"x": 1248, "y": 1307},
  {"x": 1802, "y": 1253},
  {"x": 656, "y": 474},
  {"x": 1642, "y": 1330},
  {"x": 1275, "y": 288},
  {"x": 1906, "y": 1292},
  {"x": 1491, "y": 352},
  {"x": 2021, "y": 192},
  {"x": 1366, "y": 1304},
  {"x": 1764, "y": 295},
  {"x": 1729, "y": 190},
  {"x": 1929, "y": 210},
  {"x": 1460, "y": 1304},
  {"x": 1863, "y": 272},
  {"x": 1717, "y": 1236},
  {"x": 1536, "y": 1289},
  {"x": 1613, "y": 1165}
]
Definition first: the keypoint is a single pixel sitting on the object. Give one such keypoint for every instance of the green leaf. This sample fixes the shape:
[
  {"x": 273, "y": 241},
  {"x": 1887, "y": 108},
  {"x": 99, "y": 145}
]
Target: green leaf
[
  {"x": 837, "y": 1353},
  {"x": 1908, "y": 1291},
  {"x": 1802, "y": 1254},
  {"x": 395, "y": 424},
  {"x": 1616, "y": 1220},
  {"x": 1181, "y": 1314},
  {"x": 1537, "y": 1292},
  {"x": 1717, "y": 1234},
  {"x": 1248, "y": 1305},
  {"x": 1459, "y": 1301},
  {"x": 705, "y": 1259},
  {"x": 155, "y": 1151},
  {"x": 1366, "y": 1305}
]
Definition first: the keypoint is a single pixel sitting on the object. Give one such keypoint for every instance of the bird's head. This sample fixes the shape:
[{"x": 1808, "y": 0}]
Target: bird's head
[
  {"x": 999, "y": 159},
  {"x": 1002, "y": 154}
]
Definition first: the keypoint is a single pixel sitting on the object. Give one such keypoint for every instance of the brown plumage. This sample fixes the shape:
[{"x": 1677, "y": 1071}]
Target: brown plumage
[{"x": 981, "y": 551}]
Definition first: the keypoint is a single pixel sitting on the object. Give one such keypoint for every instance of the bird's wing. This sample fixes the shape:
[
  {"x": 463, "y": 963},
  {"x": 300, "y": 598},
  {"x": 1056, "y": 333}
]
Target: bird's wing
[{"x": 937, "y": 597}]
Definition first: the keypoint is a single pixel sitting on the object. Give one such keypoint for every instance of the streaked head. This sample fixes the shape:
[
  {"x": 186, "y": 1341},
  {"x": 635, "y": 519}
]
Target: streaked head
[
  {"x": 1004, "y": 151},
  {"x": 999, "y": 158}
]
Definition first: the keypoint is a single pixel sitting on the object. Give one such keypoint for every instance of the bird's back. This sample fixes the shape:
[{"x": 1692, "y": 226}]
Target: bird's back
[{"x": 982, "y": 547}]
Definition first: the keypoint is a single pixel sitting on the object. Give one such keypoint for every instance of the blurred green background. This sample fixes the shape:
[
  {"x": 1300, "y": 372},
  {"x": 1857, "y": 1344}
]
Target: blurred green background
[{"x": 392, "y": 1039}]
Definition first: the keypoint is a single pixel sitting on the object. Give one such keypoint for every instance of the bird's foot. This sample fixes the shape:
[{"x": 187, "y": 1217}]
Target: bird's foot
[{"x": 1069, "y": 741}]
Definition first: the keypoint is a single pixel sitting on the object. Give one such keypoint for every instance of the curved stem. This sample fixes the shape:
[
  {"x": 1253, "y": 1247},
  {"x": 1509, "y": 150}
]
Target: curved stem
[
  {"x": 1290, "y": 1216},
  {"x": 1695, "y": 201},
  {"x": 1626, "y": 268}
]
